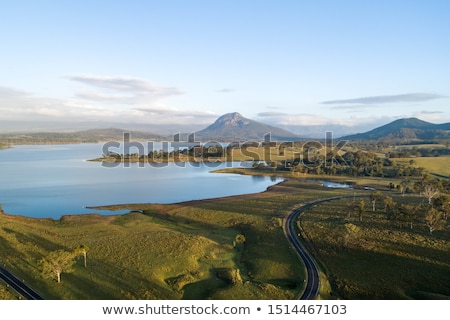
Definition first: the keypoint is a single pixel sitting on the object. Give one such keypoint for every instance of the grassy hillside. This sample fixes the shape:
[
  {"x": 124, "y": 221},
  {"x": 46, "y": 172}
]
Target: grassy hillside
[
  {"x": 376, "y": 258},
  {"x": 182, "y": 251},
  {"x": 438, "y": 165},
  {"x": 6, "y": 293}
]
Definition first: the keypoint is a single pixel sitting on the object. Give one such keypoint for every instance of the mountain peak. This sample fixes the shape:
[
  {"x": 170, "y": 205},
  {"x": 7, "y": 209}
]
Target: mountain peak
[
  {"x": 234, "y": 119},
  {"x": 413, "y": 123},
  {"x": 234, "y": 126}
]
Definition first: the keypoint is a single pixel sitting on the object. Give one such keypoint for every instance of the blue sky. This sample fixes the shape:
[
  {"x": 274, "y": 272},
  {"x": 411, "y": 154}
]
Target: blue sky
[{"x": 287, "y": 63}]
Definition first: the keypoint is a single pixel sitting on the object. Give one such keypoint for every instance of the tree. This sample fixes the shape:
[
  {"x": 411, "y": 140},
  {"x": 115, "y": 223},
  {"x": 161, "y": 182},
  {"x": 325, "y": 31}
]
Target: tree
[
  {"x": 433, "y": 220},
  {"x": 442, "y": 203},
  {"x": 351, "y": 234},
  {"x": 57, "y": 262},
  {"x": 430, "y": 190},
  {"x": 403, "y": 186},
  {"x": 239, "y": 241},
  {"x": 389, "y": 204},
  {"x": 82, "y": 250},
  {"x": 351, "y": 209},
  {"x": 374, "y": 197},
  {"x": 407, "y": 213},
  {"x": 361, "y": 209},
  {"x": 318, "y": 170}
]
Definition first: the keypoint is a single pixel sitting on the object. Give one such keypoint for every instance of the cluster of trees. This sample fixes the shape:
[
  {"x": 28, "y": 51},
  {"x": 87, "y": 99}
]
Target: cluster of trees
[
  {"x": 62, "y": 261},
  {"x": 86, "y": 136},
  {"x": 204, "y": 152},
  {"x": 426, "y": 186},
  {"x": 432, "y": 214},
  {"x": 46, "y": 138},
  {"x": 352, "y": 163},
  {"x": 199, "y": 152}
]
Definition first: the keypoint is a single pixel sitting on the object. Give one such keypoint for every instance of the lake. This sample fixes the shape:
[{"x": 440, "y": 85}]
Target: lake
[{"x": 48, "y": 181}]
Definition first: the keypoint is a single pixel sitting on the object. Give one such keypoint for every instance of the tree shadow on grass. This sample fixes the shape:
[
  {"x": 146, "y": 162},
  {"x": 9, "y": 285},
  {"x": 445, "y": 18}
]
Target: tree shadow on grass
[
  {"x": 34, "y": 239},
  {"x": 107, "y": 281}
]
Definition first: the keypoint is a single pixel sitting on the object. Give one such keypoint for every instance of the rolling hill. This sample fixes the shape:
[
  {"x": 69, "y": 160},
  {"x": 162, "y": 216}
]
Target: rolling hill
[
  {"x": 233, "y": 126},
  {"x": 86, "y": 136},
  {"x": 407, "y": 129}
]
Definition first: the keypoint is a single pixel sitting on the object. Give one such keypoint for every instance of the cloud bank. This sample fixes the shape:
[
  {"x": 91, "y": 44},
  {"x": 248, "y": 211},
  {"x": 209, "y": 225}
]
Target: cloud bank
[
  {"x": 122, "y": 90},
  {"x": 408, "y": 97},
  {"x": 124, "y": 99},
  {"x": 225, "y": 90},
  {"x": 308, "y": 119},
  {"x": 102, "y": 99}
]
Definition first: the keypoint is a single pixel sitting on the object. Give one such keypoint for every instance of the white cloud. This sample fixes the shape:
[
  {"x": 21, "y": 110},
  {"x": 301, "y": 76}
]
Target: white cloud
[
  {"x": 101, "y": 99},
  {"x": 305, "y": 119},
  {"x": 170, "y": 115},
  {"x": 431, "y": 112},
  {"x": 407, "y": 97},
  {"x": 350, "y": 108},
  {"x": 431, "y": 116},
  {"x": 23, "y": 106},
  {"x": 279, "y": 118},
  {"x": 226, "y": 90},
  {"x": 126, "y": 84},
  {"x": 7, "y": 93},
  {"x": 132, "y": 100},
  {"x": 122, "y": 90},
  {"x": 271, "y": 114}
]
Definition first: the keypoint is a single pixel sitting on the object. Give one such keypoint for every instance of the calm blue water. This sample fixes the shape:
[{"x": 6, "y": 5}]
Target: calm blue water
[{"x": 51, "y": 181}]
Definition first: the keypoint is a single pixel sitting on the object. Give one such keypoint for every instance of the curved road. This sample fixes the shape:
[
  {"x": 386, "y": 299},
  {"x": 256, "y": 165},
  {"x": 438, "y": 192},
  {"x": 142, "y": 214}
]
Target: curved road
[
  {"x": 19, "y": 286},
  {"x": 312, "y": 271}
]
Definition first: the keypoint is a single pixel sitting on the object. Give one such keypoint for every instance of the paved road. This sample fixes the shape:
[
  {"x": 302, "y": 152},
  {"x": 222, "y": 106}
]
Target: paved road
[
  {"x": 19, "y": 286},
  {"x": 312, "y": 272}
]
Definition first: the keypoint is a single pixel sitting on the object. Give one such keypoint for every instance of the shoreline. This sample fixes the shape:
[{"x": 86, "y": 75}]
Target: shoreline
[
  {"x": 165, "y": 160},
  {"x": 135, "y": 207},
  {"x": 306, "y": 178}
]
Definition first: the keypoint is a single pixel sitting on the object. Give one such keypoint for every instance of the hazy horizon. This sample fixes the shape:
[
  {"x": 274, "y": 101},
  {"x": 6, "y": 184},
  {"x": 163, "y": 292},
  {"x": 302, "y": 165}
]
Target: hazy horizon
[{"x": 318, "y": 131}]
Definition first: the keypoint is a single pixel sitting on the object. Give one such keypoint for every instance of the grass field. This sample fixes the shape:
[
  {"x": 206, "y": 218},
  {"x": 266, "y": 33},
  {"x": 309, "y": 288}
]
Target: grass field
[
  {"x": 439, "y": 165},
  {"x": 179, "y": 251},
  {"x": 376, "y": 259},
  {"x": 7, "y": 293}
]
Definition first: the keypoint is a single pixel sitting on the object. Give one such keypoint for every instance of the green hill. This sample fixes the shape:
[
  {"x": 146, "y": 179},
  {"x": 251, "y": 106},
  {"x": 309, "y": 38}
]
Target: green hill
[
  {"x": 407, "y": 129},
  {"x": 87, "y": 136}
]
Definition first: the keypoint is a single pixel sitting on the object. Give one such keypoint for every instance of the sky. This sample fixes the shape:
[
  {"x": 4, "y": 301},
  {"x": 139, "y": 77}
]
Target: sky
[{"x": 168, "y": 64}]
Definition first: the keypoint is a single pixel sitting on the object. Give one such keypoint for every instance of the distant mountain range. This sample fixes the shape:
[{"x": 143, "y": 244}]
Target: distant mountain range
[
  {"x": 233, "y": 126},
  {"x": 408, "y": 129},
  {"x": 86, "y": 136}
]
